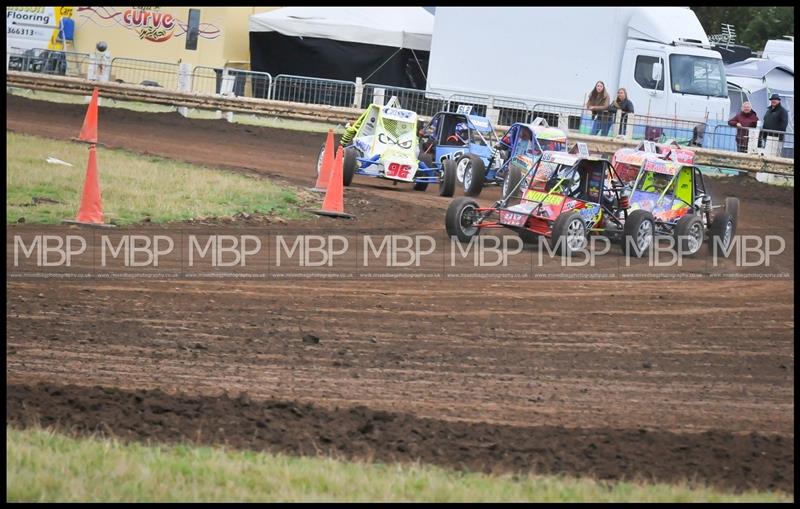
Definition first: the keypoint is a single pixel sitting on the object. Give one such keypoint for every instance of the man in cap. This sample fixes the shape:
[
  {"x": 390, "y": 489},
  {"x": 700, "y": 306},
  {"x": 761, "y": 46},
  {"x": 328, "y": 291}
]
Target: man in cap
[{"x": 775, "y": 119}]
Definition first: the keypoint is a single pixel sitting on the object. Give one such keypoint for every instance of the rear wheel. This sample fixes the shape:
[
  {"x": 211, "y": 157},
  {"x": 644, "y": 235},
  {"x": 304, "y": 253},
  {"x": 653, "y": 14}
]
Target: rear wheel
[
  {"x": 723, "y": 228},
  {"x": 569, "y": 233},
  {"x": 688, "y": 234},
  {"x": 447, "y": 184},
  {"x": 460, "y": 219},
  {"x": 474, "y": 171},
  {"x": 349, "y": 165},
  {"x": 638, "y": 234}
]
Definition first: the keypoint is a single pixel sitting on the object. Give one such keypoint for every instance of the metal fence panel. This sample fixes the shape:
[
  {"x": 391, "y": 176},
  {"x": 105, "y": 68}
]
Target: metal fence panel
[
  {"x": 145, "y": 72},
  {"x": 478, "y": 103},
  {"x": 209, "y": 80},
  {"x": 313, "y": 90},
  {"x": 420, "y": 101},
  {"x": 511, "y": 111},
  {"x": 62, "y": 63}
]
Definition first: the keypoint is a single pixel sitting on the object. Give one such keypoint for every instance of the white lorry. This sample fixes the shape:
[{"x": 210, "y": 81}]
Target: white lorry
[{"x": 555, "y": 55}]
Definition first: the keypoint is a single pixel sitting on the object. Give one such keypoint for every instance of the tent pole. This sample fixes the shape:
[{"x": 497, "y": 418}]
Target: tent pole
[{"x": 379, "y": 67}]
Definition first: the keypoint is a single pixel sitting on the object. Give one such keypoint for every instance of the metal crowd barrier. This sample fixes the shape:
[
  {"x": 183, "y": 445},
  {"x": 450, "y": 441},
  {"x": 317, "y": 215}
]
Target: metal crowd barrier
[
  {"x": 752, "y": 141},
  {"x": 307, "y": 90},
  {"x": 423, "y": 103},
  {"x": 145, "y": 72},
  {"x": 62, "y": 63},
  {"x": 479, "y": 103},
  {"x": 218, "y": 80}
]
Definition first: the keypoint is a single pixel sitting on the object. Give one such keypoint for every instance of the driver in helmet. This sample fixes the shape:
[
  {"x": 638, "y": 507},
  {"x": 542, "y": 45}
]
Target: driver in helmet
[{"x": 461, "y": 135}]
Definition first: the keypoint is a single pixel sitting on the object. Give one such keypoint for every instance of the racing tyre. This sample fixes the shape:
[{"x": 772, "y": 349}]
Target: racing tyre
[
  {"x": 569, "y": 233},
  {"x": 447, "y": 186},
  {"x": 474, "y": 172},
  {"x": 732, "y": 208},
  {"x": 511, "y": 181},
  {"x": 527, "y": 236},
  {"x": 460, "y": 218},
  {"x": 723, "y": 228},
  {"x": 688, "y": 234},
  {"x": 428, "y": 160},
  {"x": 639, "y": 233},
  {"x": 320, "y": 157},
  {"x": 349, "y": 165}
]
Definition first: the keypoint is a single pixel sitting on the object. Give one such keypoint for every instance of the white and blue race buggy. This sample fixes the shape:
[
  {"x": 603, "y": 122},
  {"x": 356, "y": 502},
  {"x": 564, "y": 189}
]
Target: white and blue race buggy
[
  {"x": 383, "y": 143},
  {"x": 467, "y": 140}
]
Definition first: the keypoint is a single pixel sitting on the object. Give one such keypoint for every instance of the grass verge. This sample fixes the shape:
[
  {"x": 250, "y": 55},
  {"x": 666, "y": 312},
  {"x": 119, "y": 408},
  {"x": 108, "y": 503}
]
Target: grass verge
[
  {"x": 46, "y": 466},
  {"x": 133, "y": 187}
]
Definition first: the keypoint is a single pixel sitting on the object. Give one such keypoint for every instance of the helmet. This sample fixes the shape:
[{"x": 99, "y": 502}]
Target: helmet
[
  {"x": 102, "y": 46},
  {"x": 462, "y": 131}
]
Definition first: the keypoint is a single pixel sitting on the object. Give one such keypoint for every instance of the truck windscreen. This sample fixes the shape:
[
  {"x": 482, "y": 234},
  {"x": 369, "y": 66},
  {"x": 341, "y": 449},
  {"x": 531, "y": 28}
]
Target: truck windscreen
[{"x": 695, "y": 75}]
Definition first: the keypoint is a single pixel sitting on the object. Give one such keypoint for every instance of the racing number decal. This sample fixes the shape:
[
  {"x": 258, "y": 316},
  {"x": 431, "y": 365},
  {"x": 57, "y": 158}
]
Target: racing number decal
[
  {"x": 398, "y": 170},
  {"x": 452, "y": 155}
]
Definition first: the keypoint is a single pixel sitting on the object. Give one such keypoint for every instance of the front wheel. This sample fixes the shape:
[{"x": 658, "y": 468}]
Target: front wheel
[
  {"x": 320, "y": 159},
  {"x": 349, "y": 165},
  {"x": 723, "y": 228},
  {"x": 460, "y": 219},
  {"x": 732, "y": 207},
  {"x": 474, "y": 171},
  {"x": 638, "y": 233},
  {"x": 447, "y": 184},
  {"x": 569, "y": 233},
  {"x": 510, "y": 182},
  {"x": 689, "y": 233}
]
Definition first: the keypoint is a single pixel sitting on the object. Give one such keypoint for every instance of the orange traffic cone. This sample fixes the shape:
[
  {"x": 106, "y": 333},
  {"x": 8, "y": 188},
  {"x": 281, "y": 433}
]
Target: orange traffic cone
[
  {"x": 327, "y": 165},
  {"x": 89, "y": 129},
  {"x": 90, "y": 211},
  {"x": 333, "y": 205}
]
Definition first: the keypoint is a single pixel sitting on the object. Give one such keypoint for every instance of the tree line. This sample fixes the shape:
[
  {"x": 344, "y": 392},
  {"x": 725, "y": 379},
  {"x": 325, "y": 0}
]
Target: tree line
[{"x": 754, "y": 26}]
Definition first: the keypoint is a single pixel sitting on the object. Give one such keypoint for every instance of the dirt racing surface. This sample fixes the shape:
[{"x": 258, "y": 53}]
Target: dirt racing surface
[{"x": 661, "y": 380}]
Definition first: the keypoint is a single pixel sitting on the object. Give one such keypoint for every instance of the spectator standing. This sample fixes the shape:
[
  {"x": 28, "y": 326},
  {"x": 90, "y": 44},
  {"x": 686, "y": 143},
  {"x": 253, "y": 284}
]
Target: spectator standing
[
  {"x": 598, "y": 104},
  {"x": 623, "y": 104},
  {"x": 775, "y": 119},
  {"x": 744, "y": 120}
]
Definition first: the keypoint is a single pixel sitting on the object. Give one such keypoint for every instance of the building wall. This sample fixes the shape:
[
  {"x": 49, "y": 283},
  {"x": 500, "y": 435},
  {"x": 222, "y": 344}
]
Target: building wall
[{"x": 159, "y": 33}]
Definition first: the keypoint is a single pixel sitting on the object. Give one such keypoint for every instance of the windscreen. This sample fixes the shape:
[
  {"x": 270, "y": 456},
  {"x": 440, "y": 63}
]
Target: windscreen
[{"x": 696, "y": 75}]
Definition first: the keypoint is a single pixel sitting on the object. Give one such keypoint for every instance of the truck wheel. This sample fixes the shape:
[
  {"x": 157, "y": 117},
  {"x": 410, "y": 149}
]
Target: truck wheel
[
  {"x": 349, "y": 165},
  {"x": 688, "y": 234},
  {"x": 447, "y": 185},
  {"x": 460, "y": 218},
  {"x": 474, "y": 174},
  {"x": 638, "y": 234},
  {"x": 732, "y": 208},
  {"x": 511, "y": 181},
  {"x": 569, "y": 233},
  {"x": 723, "y": 228}
]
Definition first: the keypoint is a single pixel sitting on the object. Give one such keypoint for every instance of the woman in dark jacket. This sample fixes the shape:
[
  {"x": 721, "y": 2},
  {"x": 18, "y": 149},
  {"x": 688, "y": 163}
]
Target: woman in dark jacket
[
  {"x": 623, "y": 104},
  {"x": 745, "y": 119},
  {"x": 598, "y": 105}
]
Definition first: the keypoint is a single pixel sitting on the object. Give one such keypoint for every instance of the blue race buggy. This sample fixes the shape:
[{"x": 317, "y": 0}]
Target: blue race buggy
[
  {"x": 464, "y": 139},
  {"x": 382, "y": 143}
]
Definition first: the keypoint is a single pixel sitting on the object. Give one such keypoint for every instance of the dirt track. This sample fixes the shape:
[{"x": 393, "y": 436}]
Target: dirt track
[{"x": 546, "y": 375}]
